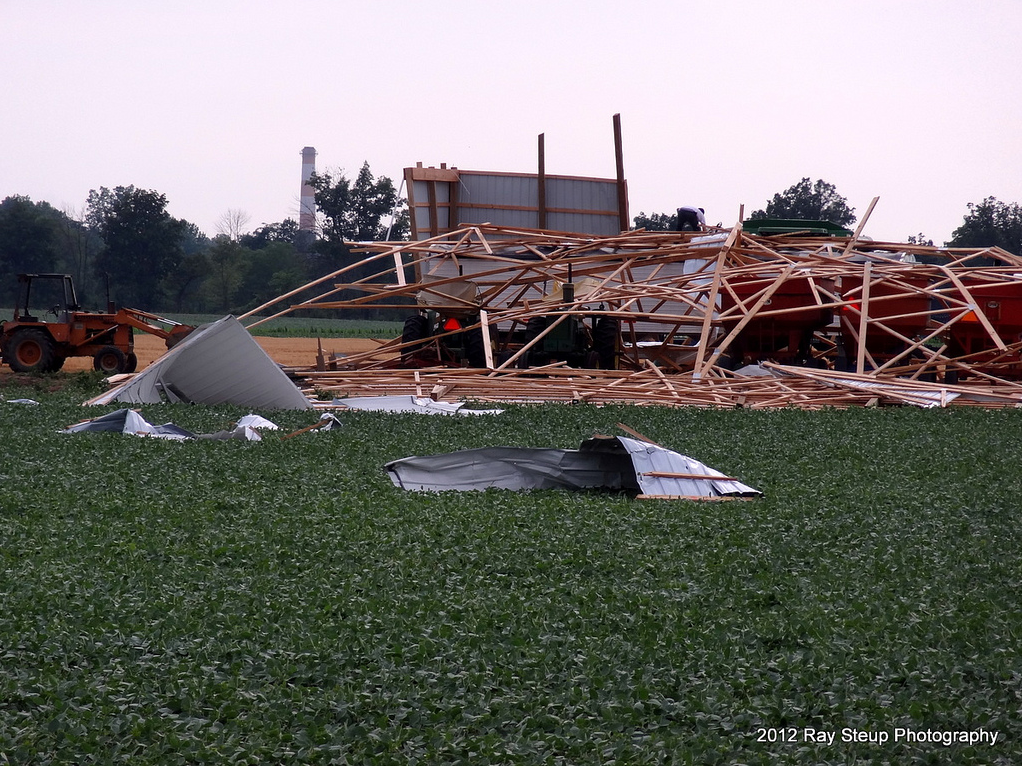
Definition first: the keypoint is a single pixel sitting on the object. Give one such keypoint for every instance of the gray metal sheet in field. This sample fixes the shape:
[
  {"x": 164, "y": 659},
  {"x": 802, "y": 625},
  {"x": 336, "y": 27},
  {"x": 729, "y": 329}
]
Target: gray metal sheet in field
[
  {"x": 600, "y": 463},
  {"x": 127, "y": 421},
  {"x": 219, "y": 363},
  {"x": 517, "y": 468}
]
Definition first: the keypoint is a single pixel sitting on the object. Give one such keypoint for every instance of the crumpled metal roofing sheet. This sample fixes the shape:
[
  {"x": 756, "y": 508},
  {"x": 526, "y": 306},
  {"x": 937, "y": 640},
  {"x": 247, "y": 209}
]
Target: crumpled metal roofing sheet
[
  {"x": 219, "y": 363},
  {"x": 651, "y": 462},
  {"x": 616, "y": 463}
]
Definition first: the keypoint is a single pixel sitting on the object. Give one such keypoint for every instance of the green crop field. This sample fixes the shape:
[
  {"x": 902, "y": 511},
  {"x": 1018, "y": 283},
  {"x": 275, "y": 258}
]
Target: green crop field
[
  {"x": 295, "y": 325},
  {"x": 281, "y": 602}
]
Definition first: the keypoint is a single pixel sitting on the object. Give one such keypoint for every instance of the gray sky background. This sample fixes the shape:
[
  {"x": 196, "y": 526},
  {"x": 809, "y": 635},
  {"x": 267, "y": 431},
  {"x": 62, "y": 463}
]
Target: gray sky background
[{"x": 722, "y": 102}]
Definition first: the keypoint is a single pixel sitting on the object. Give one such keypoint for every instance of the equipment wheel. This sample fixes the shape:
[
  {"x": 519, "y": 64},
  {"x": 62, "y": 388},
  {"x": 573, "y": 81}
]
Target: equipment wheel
[
  {"x": 475, "y": 350},
  {"x": 131, "y": 362},
  {"x": 605, "y": 337},
  {"x": 416, "y": 328},
  {"x": 535, "y": 355},
  {"x": 110, "y": 360},
  {"x": 534, "y": 327},
  {"x": 31, "y": 350}
]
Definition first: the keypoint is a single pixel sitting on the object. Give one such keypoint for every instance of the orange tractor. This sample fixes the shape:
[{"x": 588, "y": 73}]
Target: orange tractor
[{"x": 30, "y": 343}]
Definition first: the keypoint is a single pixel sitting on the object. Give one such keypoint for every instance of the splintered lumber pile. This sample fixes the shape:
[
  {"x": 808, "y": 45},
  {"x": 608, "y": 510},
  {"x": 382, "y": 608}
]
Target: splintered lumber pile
[
  {"x": 788, "y": 387},
  {"x": 834, "y": 321}
]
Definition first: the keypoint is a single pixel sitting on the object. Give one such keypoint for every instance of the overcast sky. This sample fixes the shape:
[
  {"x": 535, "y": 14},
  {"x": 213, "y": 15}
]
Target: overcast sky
[{"x": 722, "y": 103}]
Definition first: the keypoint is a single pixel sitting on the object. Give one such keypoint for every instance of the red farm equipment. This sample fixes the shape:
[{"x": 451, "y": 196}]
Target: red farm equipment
[
  {"x": 29, "y": 343},
  {"x": 783, "y": 327},
  {"x": 898, "y": 312},
  {"x": 1000, "y": 304}
]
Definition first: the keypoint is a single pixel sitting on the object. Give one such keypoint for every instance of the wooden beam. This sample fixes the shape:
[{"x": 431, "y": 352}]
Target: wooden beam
[
  {"x": 622, "y": 188},
  {"x": 541, "y": 183},
  {"x": 434, "y": 211},
  {"x": 858, "y": 229},
  {"x": 860, "y": 359},
  {"x": 444, "y": 175},
  {"x": 487, "y": 343}
]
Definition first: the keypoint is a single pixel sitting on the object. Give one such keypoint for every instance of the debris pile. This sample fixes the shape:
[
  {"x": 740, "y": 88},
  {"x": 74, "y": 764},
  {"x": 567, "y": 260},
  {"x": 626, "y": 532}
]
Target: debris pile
[{"x": 498, "y": 314}]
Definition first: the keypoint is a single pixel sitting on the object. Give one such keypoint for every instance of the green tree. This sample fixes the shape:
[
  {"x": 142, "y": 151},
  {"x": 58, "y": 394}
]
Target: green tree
[
  {"x": 225, "y": 257},
  {"x": 184, "y": 285},
  {"x": 284, "y": 231},
  {"x": 269, "y": 271},
  {"x": 359, "y": 211},
  {"x": 29, "y": 240},
  {"x": 80, "y": 245},
  {"x": 656, "y": 221},
  {"x": 809, "y": 201},
  {"x": 142, "y": 243},
  {"x": 990, "y": 223},
  {"x": 354, "y": 212}
]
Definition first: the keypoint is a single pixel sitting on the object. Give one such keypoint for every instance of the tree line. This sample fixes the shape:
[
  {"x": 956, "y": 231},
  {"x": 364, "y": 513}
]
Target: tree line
[
  {"x": 986, "y": 224},
  {"x": 124, "y": 246}
]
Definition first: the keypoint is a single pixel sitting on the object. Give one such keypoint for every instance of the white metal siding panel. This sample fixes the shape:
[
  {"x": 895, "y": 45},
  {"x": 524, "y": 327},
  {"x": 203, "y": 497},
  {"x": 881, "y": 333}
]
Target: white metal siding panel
[
  {"x": 579, "y": 194},
  {"x": 650, "y": 458},
  {"x": 512, "y": 200},
  {"x": 220, "y": 363},
  {"x": 597, "y": 225}
]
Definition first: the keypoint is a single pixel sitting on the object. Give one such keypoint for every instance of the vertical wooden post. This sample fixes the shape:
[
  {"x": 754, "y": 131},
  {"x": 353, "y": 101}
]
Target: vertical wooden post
[
  {"x": 541, "y": 191},
  {"x": 434, "y": 210},
  {"x": 622, "y": 187},
  {"x": 484, "y": 320},
  {"x": 860, "y": 361},
  {"x": 399, "y": 268},
  {"x": 711, "y": 299},
  {"x": 453, "y": 191}
]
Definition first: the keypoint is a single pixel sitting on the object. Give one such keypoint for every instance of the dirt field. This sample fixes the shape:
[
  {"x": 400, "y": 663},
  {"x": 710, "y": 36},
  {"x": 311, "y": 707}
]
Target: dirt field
[{"x": 293, "y": 352}]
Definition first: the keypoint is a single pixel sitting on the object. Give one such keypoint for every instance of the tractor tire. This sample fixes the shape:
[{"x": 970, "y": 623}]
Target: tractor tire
[
  {"x": 605, "y": 341},
  {"x": 535, "y": 355},
  {"x": 132, "y": 362},
  {"x": 475, "y": 350},
  {"x": 534, "y": 327},
  {"x": 110, "y": 360},
  {"x": 416, "y": 327},
  {"x": 31, "y": 350}
]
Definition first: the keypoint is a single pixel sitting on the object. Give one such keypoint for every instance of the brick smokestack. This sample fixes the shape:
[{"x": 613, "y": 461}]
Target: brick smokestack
[{"x": 307, "y": 207}]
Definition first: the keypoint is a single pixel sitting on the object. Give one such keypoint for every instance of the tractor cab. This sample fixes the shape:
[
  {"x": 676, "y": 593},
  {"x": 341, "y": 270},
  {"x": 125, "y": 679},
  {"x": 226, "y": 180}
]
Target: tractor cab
[
  {"x": 49, "y": 325},
  {"x": 49, "y": 294}
]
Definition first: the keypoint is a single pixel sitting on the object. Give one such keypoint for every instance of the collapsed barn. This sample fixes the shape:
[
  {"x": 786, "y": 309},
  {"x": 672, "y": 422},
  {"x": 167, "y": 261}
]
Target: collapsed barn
[{"x": 793, "y": 314}]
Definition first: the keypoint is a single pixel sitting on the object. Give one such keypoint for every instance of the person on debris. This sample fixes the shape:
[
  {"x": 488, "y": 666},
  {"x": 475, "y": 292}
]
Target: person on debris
[{"x": 691, "y": 219}]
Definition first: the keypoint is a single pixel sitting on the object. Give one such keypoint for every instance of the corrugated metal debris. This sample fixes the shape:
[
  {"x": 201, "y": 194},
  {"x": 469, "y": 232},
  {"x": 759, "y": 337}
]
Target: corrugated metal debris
[
  {"x": 609, "y": 463},
  {"x": 127, "y": 421},
  {"x": 219, "y": 363}
]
